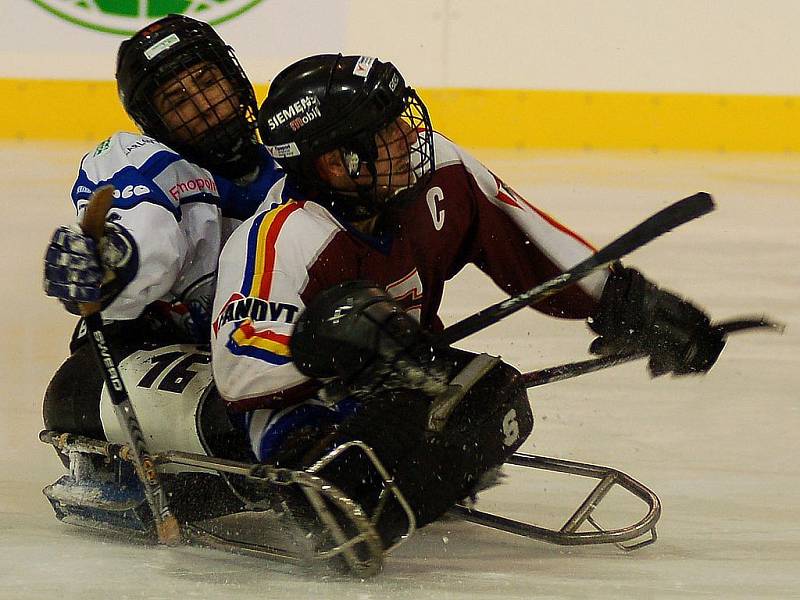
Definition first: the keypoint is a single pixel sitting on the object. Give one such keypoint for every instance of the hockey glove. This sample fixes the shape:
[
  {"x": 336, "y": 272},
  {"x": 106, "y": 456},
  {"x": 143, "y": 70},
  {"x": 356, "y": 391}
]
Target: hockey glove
[
  {"x": 634, "y": 315},
  {"x": 357, "y": 332},
  {"x": 76, "y": 272}
]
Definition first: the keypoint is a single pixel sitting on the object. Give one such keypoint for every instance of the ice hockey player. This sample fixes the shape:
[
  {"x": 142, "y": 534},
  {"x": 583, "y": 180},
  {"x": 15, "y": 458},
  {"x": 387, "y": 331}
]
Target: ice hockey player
[
  {"x": 325, "y": 312},
  {"x": 181, "y": 186},
  {"x": 174, "y": 185}
]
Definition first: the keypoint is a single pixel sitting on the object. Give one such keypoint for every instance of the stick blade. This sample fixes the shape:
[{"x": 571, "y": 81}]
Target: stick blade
[
  {"x": 94, "y": 217},
  {"x": 169, "y": 531},
  {"x": 694, "y": 206},
  {"x": 685, "y": 210},
  {"x": 664, "y": 221}
]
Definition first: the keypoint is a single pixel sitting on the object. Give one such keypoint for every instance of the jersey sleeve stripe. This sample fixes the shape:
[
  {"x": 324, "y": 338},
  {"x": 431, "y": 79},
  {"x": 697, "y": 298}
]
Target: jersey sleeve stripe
[
  {"x": 265, "y": 345},
  {"x": 156, "y": 164},
  {"x": 245, "y": 340},
  {"x": 261, "y": 250},
  {"x": 508, "y": 196}
]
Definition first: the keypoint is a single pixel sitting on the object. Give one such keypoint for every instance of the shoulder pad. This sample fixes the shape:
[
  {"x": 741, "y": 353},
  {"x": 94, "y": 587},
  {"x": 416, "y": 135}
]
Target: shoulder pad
[
  {"x": 132, "y": 163},
  {"x": 142, "y": 169}
]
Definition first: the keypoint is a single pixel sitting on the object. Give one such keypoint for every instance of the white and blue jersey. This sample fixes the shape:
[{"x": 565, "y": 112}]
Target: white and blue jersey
[{"x": 177, "y": 214}]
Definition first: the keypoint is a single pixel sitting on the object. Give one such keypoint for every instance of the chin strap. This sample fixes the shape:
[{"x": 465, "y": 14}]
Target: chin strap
[{"x": 349, "y": 208}]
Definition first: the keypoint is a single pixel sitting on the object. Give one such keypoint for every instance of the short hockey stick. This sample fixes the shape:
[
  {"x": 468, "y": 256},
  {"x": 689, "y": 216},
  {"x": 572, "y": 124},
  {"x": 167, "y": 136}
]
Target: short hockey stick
[
  {"x": 574, "y": 369},
  {"x": 660, "y": 223},
  {"x": 167, "y": 527}
]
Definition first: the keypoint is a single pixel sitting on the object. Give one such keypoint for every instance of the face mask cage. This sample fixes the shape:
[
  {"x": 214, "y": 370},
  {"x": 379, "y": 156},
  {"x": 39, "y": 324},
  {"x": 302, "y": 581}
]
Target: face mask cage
[
  {"x": 397, "y": 159},
  {"x": 404, "y": 150},
  {"x": 202, "y": 105}
]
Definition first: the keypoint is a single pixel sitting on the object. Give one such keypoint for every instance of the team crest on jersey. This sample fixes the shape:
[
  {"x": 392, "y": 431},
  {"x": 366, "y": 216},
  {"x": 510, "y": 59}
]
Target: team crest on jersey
[
  {"x": 102, "y": 147},
  {"x": 239, "y": 308}
]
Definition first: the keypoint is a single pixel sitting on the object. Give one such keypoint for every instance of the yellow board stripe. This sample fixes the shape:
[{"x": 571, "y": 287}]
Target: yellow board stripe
[
  {"x": 529, "y": 119},
  {"x": 616, "y": 120}
]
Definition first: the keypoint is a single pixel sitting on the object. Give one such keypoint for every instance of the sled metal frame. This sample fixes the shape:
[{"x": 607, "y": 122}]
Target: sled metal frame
[
  {"x": 568, "y": 534},
  {"x": 362, "y": 550},
  {"x": 318, "y": 490}
]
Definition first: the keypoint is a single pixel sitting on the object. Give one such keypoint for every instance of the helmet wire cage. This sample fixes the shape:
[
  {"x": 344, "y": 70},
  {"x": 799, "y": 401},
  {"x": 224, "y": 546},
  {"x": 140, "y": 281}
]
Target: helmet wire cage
[
  {"x": 193, "y": 97},
  {"x": 397, "y": 157},
  {"x": 403, "y": 154}
]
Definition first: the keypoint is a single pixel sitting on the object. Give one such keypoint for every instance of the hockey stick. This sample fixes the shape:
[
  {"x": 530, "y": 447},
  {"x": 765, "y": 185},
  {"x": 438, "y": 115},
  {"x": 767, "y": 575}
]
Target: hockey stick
[
  {"x": 167, "y": 528},
  {"x": 574, "y": 369},
  {"x": 660, "y": 223}
]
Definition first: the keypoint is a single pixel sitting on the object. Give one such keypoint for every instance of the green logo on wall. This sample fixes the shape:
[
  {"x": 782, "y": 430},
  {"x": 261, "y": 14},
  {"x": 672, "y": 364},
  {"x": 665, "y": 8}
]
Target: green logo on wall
[{"x": 125, "y": 17}]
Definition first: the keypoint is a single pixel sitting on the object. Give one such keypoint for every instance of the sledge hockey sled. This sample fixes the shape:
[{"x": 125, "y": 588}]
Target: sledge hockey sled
[
  {"x": 343, "y": 531},
  {"x": 304, "y": 519}
]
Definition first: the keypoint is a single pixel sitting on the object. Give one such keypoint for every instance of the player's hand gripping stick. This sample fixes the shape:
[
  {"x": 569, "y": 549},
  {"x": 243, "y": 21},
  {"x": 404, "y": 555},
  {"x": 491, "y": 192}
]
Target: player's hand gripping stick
[
  {"x": 167, "y": 528},
  {"x": 574, "y": 369}
]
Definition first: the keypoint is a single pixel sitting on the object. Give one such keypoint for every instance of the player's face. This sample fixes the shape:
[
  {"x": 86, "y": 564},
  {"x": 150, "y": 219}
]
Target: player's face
[
  {"x": 393, "y": 166},
  {"x": 195, "y": 101}
]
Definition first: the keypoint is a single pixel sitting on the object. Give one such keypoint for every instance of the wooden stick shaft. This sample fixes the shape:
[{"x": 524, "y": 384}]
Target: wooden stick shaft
[{"x": 167, "y": 528}]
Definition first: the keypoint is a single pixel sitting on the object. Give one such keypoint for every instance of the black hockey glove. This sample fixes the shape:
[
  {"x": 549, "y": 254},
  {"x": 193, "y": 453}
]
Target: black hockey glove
[
  {"x": 634, "y": 315},
  {"x": 357, "y": 332},
  {"x": 75, "y": 271}
]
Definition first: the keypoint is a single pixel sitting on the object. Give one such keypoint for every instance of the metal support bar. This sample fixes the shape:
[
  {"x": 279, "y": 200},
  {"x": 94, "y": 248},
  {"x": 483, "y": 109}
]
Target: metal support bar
[
  {"x": 389, "y": 485},
  {"x": 323, "y": 495},
  {"x": 587, "y": 507},
  {"x": 568, "y": 534},
  {"x": 445, "y": 403}
]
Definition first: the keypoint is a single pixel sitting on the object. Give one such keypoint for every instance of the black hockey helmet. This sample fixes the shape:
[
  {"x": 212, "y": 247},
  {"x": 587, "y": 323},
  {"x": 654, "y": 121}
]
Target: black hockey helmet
[
  {"x": 208, "y": 114},
  {"x": 328, "y": 102}
]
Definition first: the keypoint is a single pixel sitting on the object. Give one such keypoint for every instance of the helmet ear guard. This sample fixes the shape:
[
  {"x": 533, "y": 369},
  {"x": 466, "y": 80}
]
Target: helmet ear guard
[{"x": 352, "y": 162}]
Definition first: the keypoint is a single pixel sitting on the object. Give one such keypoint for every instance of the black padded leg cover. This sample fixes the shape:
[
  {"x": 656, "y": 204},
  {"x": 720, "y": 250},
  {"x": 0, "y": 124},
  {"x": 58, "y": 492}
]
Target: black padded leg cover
[
  {"x": 72, "y": 400},
  {"x": 433, "y": 470}
]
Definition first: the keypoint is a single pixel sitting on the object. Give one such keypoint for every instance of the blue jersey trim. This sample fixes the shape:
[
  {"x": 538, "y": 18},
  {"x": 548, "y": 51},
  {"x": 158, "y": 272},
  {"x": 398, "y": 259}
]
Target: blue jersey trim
[
  {"x": 242, "y": 202},
  {"x": 132, "y": 188},
  {"x": 133, "y": 185},
  {"x": 156, "y": 164},
  {"x": 305, "y": 415}
]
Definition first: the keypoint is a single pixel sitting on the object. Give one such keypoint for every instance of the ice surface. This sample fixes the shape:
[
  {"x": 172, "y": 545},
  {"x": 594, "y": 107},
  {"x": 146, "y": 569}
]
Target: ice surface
[{"x": 721, "y": 451}]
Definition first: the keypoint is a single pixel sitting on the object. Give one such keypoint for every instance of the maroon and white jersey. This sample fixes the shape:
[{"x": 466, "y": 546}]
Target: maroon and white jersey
[{"x": 278, "y": 260}]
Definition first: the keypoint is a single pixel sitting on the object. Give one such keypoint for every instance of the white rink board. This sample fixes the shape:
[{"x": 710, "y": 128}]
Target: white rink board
[
  {"x": 741, "y": 47},
  {"x": 721, "y": 451}
]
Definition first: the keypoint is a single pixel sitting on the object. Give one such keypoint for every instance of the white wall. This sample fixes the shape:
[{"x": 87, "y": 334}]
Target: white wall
[{"x": 722, "y": 46}]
